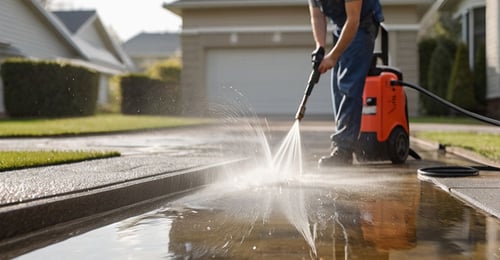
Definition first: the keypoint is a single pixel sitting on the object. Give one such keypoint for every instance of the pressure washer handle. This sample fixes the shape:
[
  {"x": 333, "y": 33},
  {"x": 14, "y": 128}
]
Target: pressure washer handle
[{"x": 317, "y": 56}]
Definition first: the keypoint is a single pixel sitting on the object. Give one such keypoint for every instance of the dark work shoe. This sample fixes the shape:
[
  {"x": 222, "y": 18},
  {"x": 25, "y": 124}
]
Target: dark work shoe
[{"x": 336, "y": 158}]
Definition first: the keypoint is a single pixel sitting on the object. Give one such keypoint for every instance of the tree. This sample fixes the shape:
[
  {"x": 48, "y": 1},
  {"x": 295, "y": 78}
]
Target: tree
[
  {"x": 438, "y": 76},
  {"x": 461, "y": 85},
  {"x": 480, "y": 82}
]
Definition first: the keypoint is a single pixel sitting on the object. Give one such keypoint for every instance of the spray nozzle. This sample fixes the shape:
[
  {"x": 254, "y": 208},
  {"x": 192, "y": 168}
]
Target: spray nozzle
[{"x": 317, "y": 56}]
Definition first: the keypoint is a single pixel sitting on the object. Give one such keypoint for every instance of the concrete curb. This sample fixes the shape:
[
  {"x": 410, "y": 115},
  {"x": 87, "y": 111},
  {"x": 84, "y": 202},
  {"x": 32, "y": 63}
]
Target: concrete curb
[
  {"x": 22, "y": 218},
  {"x": 480, "y": 193},
  {"x": 470, "y": 155}
]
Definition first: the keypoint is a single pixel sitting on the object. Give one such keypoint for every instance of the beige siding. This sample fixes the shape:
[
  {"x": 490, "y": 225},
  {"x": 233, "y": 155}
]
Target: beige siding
[
  {"x": 400, "y": 15},
  {"x": 493, "y": 48},
  {"x": 2, "y": 104},
  {"x": 248, "y": 16},
  {"x": 193, "y": 89},
  {"x": 91, "y": 35},
  {"x": 29, "y": 33},
  {"x": 404, "y": 57}
]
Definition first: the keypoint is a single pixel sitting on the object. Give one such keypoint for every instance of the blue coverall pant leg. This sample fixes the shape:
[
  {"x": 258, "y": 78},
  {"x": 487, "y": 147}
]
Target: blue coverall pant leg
[{"x": 348, "y": 80}]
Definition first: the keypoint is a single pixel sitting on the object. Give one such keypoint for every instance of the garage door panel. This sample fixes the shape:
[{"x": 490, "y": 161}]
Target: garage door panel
[{"x": 271, "y": 80}]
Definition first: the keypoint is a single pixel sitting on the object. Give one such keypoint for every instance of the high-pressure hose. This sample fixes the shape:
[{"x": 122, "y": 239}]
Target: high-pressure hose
[
  {"x": 446, "y": 103},
  {"x": 451, "y": 171},
  {"x": 317, "y": 57}
]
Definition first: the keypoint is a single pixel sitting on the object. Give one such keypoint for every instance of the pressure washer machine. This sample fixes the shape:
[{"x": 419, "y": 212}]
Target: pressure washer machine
[{"x": 384, "y": 133}]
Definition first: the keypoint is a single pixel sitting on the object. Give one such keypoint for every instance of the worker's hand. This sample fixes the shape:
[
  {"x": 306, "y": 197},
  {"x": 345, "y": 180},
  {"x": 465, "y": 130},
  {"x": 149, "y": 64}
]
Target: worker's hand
[{"x": 327, "y": 63}]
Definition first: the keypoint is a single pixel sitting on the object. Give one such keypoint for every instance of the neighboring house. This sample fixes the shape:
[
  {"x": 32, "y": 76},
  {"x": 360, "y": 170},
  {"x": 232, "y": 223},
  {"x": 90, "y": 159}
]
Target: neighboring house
[
  {"x": 480, "y": 25},
  {"x": 145, "y": 49},
  {"x": 90, "y": 35},
  {"x": 28, "y": 30},
  {"x": 262, "y": 49}
]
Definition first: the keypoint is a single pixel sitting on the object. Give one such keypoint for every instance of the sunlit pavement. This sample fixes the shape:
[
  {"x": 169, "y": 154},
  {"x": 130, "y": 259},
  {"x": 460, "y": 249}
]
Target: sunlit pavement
[{"x": 147, "y": 157}]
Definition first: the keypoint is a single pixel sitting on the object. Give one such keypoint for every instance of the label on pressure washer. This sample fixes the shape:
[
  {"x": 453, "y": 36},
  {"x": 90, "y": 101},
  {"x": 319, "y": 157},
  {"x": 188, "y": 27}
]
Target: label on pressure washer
[{"x": 370, "y": 108}]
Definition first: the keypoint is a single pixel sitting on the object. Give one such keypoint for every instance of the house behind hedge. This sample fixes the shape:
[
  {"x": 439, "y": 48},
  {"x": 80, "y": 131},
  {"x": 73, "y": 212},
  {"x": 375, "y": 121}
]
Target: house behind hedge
[
  {"x": 28, "y": 30},
  {"x": 480, "y": 26}
]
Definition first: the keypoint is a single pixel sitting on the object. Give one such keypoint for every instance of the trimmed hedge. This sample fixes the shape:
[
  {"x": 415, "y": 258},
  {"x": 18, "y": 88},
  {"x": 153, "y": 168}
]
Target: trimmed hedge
[
  {"x": 142, "y": 94},
  {"x": 48, "y": 89}
]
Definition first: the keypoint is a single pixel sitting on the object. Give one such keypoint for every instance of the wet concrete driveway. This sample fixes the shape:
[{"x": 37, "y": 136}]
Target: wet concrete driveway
[{"x": 367, "y": 211}]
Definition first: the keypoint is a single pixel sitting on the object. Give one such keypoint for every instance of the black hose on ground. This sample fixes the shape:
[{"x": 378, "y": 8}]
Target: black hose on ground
[
  {"x": 454, "y": 171},
  {"x": 448, "y": 171}
]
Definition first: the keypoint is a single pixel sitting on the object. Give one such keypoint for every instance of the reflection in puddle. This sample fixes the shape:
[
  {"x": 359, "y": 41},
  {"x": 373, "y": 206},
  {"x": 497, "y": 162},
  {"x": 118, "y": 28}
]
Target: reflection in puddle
[{"x": 362, "y": 217}]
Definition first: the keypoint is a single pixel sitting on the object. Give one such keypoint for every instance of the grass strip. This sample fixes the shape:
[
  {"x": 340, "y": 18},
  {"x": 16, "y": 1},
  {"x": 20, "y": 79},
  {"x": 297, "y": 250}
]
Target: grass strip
[
  {"x": 486, "y": 144},
  {"x": 89, "y": 125},
  {"x": 446, "y": 120},
  {"x": 12, "y": 160}
]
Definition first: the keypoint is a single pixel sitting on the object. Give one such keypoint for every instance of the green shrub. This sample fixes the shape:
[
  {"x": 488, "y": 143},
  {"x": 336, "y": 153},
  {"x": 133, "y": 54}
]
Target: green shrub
[
  {"x": 425, "y": 49},
  {"x": 168, "y": 70},
  {"x": 48, "y": 89},
  {"x": 461, "y": 85},
  {"x": 142, "y": 94},
  {"x": 438, "y": 77}
]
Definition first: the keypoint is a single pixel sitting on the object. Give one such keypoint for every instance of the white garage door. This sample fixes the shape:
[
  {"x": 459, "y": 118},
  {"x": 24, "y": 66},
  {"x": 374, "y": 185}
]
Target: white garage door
[{"x": 272, "y": 81}]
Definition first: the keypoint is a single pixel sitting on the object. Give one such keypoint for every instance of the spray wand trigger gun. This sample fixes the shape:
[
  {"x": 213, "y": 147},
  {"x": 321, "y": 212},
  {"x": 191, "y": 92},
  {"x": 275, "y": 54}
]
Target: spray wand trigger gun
[{"x": 317, "y": 57}]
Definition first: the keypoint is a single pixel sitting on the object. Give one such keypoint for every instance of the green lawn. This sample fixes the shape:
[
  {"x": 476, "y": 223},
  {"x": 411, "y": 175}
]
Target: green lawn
[
  {"x": 485, "y": 144},
  {"x": 88, "y": 125},
  {"x": 11, "y": 160}
]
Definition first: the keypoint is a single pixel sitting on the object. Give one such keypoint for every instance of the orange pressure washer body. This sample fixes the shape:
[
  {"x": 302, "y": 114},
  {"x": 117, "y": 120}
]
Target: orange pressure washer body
[{"x": 384, "y": 133}]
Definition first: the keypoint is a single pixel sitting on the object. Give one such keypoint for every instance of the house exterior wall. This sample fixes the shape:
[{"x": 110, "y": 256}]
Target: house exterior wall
[
  {"x": 29, "y": 33},
  {"x": 403, "y": 55},
  {"x": 285, "y": 16},
  {"x": 238, "y": 27},
  {"x": 493, "y": 56},
  {"x": 91, "y": 35},
  {"x": 2, "y": 102}
]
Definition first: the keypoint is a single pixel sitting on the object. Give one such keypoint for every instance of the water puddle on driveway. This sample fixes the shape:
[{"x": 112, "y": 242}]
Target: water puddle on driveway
[{"x": 349, "y": 214}]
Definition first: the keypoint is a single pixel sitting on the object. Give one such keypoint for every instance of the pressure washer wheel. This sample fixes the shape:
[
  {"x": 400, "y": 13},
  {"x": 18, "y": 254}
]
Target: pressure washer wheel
[{"x": 398, "y": 145}]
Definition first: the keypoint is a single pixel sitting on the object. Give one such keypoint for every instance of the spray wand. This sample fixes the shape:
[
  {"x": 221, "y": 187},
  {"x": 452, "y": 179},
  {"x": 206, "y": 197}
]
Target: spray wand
[{"x": 317, "y": 57}]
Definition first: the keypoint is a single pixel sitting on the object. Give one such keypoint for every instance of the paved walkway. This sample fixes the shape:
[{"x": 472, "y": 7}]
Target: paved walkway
[{"x": 170, "y": 161}]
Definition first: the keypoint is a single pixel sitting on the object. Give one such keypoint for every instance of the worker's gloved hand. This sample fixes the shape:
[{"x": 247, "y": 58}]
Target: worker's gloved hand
[{"x": 317, "y": 57}]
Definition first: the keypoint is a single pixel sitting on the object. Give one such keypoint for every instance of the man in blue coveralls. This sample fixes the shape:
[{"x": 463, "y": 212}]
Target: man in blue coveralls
[{"x": 356, "y": 24}]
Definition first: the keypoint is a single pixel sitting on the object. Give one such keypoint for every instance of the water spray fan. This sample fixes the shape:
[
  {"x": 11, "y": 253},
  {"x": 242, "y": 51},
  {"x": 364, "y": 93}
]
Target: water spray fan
[{"x": 317, "y": 57}]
